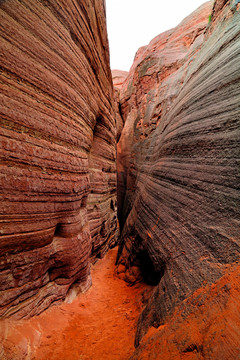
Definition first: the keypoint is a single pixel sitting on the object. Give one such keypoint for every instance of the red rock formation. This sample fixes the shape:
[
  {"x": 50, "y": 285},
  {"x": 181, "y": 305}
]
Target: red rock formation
[
  {"x": 154, "y": 81},
  {"x": 205, "y": 326},
  {"x": 178, "y": 162},
  {"x": 119, "y": 77},
  {"x": 58, "y": 182}
]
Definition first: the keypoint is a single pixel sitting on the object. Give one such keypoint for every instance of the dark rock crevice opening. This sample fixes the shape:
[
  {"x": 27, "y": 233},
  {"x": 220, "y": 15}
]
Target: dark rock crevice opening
[{"x": 151, "y": 275}]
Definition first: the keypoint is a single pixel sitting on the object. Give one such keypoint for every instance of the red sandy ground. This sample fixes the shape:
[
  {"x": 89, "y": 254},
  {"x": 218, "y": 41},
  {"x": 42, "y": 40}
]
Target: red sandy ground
[{"x": 99, "y": 324}]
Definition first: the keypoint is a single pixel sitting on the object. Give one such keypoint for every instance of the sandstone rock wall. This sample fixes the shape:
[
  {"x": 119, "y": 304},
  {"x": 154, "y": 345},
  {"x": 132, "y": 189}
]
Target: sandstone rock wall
[
  {"x": 154, "y": 81},
  {"x": 118, "y": 77},
  {"x": 58, "y": 182},
  {"x": 178, "y": 160}
]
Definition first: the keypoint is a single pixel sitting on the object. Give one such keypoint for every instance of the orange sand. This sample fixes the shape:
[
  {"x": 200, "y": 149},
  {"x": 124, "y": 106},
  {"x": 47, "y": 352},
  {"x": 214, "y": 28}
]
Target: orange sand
[{"x": 99, "y": 324}]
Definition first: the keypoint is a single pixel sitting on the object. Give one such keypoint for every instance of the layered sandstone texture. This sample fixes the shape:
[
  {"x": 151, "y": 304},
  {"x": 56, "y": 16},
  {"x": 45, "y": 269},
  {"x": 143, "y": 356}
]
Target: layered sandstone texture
[
  {"x": 118, "y": 77},
  {"x": 58, "y": 182},
  {"x": 178, "y": 161}
]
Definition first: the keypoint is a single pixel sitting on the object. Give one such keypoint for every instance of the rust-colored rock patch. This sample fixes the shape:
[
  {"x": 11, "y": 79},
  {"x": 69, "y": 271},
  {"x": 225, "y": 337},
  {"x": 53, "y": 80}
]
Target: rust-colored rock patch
[{"x": 205, "y": 327}]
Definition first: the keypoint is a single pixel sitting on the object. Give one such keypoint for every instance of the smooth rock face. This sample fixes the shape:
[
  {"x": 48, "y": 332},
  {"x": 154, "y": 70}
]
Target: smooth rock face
[
  {"x": 58, "y": 182},
  {"x": 178, "y": 160}
]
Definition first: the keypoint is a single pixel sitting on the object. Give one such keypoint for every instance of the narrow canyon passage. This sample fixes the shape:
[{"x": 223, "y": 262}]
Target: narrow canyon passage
[
  {"x": 146, "y": 160},
  {"x": 99, "y": 324}
]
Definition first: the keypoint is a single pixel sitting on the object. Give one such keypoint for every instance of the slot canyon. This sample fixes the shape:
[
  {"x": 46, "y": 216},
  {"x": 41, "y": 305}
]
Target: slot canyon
[{"x": 120, "y": 191}]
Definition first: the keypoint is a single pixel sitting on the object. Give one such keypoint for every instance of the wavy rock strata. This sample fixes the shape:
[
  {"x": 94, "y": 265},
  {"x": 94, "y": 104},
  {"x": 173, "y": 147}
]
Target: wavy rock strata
[
  {"x": 58, "y": 182},
  {"x": 178, "y": 160}
]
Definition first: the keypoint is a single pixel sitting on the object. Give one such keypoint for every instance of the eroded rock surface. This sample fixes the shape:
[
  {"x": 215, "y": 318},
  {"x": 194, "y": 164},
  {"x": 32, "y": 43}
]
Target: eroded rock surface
[
  {"x": 118, "y": 77},
  {"x": 178, "y": 160},
  {"x": 58, "y": 182},
  {"x": 204, "y": 327}
]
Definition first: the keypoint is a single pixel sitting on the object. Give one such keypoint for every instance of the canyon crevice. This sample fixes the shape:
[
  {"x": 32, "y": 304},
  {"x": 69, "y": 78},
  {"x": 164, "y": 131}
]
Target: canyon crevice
[{"x": 157, "y": 147}]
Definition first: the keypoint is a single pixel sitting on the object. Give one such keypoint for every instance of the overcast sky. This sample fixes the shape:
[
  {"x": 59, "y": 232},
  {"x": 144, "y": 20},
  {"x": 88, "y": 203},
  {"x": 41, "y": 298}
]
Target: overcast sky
[{"x": 133, "y": 23}]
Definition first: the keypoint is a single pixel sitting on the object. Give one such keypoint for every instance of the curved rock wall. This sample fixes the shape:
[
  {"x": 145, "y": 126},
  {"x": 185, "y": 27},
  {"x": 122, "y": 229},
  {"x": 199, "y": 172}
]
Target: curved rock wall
[
  {"x": 58, "y": 182},
  {"x": 178, "y": 160},
  {"x": 155, "y": 79}
]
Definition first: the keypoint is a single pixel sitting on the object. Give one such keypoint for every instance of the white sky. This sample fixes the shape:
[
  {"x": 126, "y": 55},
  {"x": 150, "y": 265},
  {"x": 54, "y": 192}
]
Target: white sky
[{"x": 134, "y": 23}]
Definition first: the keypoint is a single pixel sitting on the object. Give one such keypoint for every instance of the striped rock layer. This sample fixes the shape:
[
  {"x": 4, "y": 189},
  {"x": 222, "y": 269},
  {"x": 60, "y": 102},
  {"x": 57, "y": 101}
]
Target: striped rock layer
[
  {"x": 58, "y": 182},
  {"x": 178, "y": 160}
]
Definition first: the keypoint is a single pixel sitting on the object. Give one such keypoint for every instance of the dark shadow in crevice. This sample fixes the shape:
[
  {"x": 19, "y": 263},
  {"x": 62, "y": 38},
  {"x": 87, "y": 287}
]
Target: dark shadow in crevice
[
  {"x": 151, "y": 264},
  {"x": 112, "y": 205},
  {"x": 151, "y": 273},
  {"x": 58, "y": 230}
]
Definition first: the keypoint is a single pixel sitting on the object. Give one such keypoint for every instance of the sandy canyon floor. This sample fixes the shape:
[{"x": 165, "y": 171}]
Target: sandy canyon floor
[{"x": 99, "y": 324}]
